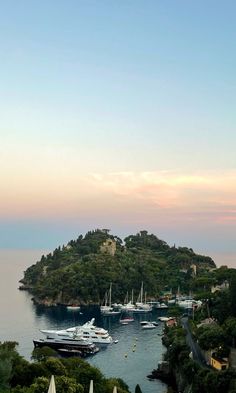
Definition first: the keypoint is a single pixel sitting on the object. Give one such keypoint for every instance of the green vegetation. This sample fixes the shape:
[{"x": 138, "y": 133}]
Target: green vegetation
[
  {"x": 189, "y": 375},
  {"x": 72, "y": 375},
  {"x": 81, "y": 271},
  {"x": 220, "y": 333},
  {"x": 213, "y": 328}
]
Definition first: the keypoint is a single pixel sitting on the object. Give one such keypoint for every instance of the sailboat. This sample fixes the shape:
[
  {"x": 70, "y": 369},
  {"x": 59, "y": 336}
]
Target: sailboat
[
  {"x": 128, "y": 305},
  {"x": 107, "y": 309},
  {"x": 140, "y": 305}
]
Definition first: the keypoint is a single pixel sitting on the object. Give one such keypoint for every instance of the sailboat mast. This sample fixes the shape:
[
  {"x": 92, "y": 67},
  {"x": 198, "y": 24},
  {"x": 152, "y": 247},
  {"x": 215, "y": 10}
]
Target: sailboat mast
[
  {"x": 110, "y": 295},
  {"x": 141, "y": 293}
]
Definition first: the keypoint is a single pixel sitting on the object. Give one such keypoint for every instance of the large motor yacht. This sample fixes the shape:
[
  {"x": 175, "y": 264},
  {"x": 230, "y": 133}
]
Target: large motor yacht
[
  {"x": 68, "y": 346},
  {"x": 87, "y": 331}
]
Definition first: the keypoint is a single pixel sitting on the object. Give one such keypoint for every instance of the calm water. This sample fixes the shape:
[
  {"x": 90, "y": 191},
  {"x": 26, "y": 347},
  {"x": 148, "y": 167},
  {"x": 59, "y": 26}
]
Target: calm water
[{"x": 21, "y": 321}]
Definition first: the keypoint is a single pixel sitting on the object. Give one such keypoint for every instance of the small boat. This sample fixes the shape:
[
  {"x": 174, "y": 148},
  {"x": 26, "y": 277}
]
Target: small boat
[
  {"x": 164, "y": 319},
  {"x": 149, "y": 325},
  {"x": 155, "y": 323},
  {"x": 161, "y": 306},
  {"x": 144, "y": 322},
  {"x": 73, "y": 308},
  {"x": 126, "y": 319}
]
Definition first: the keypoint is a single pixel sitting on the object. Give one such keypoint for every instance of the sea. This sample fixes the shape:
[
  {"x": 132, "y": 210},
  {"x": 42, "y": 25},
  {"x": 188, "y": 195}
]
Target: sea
[{"x": 135, "y": 355}]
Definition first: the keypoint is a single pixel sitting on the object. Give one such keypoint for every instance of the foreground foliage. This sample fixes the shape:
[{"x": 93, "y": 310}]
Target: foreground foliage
[{"x": 72, "y": 375}]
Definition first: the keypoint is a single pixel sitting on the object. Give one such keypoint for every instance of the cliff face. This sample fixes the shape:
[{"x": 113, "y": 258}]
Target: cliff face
[{"x": 172, "y": 376}]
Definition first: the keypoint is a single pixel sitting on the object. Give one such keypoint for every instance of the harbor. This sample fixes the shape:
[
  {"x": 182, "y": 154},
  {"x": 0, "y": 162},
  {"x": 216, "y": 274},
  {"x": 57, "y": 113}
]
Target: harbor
[{"x": 132, "y": 358}]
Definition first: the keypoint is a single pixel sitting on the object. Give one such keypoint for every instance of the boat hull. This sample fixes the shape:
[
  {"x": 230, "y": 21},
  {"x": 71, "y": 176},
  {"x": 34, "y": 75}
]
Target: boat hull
[{"x": 84, "y": 350}]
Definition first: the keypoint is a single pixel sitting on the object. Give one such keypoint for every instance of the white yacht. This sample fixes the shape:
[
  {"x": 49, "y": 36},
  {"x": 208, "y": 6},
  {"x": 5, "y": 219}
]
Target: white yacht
[
  {"x": 189, "y": 303},
  {"x": 87, "y": 331}
]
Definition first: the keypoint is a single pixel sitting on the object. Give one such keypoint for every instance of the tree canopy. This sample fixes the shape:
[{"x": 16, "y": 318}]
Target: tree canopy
[{"x": 72, "y": 375}]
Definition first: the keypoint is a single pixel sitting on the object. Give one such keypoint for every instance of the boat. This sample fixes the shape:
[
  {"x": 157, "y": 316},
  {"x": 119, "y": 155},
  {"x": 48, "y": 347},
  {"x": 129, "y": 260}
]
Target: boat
[
  {"x": 140, "y": 305},
  {"x": 149, "y": 325},
  {"x": 171, "y": 301},
  {"x": 144, "y": 323},
  {"x": 107, "y": 309},
  {"x": 129, "y": 305},
  {"x": 73, "y": 308},
  {"x": 155, "y": 323},
  {"x": 95, "y": 334},
  {"x": 161, "y": 306},
  {"x": 126, "y": 319},
  {"x": 87, "y": 331},
  {"x": 188, "y": 303},
  {"x": 111, "y": 312},
  {"x": 83, "y": 346},
  {"x": 164, "y": 319}
]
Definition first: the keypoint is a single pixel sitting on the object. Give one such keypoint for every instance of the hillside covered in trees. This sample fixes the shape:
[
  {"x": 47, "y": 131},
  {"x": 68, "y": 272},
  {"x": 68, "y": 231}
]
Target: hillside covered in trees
[
  {"x": 213, "y": 329},
  {"x": 81, "y": 271}
]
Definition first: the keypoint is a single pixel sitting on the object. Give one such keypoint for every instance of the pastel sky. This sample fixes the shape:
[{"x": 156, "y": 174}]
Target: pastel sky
[{"x": 121, "y": 115}]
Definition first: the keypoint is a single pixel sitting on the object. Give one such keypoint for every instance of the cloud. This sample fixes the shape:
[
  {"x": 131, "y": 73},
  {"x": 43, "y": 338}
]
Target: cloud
[
  {"x": 167, "y": 197},
  {"x": 203, "y": 196}
]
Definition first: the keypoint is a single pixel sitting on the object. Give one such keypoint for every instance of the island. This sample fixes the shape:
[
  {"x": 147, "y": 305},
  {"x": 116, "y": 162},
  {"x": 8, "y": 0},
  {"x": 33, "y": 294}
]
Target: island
[{"x": 81, "y": 271}]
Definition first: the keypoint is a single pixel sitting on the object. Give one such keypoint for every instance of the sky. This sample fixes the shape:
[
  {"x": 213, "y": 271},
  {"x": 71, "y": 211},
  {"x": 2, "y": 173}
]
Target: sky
[{"x": 120, "y": 115}]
